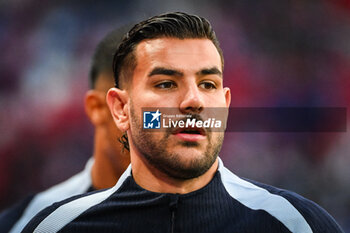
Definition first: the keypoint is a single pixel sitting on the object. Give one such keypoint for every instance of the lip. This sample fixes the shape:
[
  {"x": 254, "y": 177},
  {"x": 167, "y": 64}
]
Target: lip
[
  {"x": 179, "y": 133},
  {"x": 200, "y": 130},
  {"x": 190, "y": 137}
]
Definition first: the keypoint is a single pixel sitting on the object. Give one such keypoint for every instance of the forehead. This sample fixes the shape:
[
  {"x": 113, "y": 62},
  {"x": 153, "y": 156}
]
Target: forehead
[{"x": 182, "y": 54}]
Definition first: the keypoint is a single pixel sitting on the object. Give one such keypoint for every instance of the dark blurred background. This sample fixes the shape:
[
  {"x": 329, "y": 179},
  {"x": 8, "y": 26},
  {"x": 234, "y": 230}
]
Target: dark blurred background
[{"x": 278, "y": 53}]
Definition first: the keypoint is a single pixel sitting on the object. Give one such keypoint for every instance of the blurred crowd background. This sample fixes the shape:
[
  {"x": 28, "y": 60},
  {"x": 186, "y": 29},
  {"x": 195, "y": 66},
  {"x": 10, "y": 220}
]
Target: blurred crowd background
[{"x": 277, "y": 54}]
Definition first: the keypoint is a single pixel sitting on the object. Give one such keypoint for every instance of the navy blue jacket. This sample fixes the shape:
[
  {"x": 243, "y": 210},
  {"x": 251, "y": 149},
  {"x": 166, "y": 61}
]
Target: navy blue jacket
[{"x": 227, "y": 204}]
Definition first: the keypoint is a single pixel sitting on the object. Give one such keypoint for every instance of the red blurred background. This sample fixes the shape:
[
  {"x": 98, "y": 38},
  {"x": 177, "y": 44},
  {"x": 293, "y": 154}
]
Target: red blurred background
[{"x": 277, "y": 54}]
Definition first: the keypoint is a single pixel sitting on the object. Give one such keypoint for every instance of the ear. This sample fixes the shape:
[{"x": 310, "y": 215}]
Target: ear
[
  {"x": 95, "y": 107},
  {"x": 227, "y": 93},
  {"x": 117, "y": 101}
]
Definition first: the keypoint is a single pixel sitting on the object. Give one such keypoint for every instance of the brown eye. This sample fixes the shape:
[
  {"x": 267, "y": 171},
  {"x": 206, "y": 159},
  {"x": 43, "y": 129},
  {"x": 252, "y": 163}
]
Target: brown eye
[
  {"x": 166, "y": 85},
  {"x": 207, "y": 85}
]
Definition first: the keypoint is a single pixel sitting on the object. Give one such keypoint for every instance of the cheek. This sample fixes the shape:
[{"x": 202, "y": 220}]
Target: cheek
[
  {"x": 223, "y": 98},
  {"x": 152, "y": 99},
  {"x": 215, "y": 100}
]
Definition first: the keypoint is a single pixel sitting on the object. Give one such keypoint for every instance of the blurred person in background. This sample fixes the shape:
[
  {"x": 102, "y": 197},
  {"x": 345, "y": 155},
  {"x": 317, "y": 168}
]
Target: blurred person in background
[{"x": 109, "y": 159}]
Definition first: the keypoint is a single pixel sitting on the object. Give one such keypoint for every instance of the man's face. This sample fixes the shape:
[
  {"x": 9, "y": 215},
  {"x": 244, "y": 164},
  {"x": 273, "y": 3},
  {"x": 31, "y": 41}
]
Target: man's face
[{"x": 186, "y": 75}]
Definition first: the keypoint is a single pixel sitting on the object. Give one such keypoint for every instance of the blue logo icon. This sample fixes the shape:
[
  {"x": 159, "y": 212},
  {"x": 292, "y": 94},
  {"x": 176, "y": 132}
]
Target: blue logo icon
[{"x": 151, "y": 120}]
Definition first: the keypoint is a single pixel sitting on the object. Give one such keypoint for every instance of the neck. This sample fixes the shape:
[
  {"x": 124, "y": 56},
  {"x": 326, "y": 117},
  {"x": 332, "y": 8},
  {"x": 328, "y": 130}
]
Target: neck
[
  {"x": 151, "y": 179},
  {"x": 109, "y": 165}
]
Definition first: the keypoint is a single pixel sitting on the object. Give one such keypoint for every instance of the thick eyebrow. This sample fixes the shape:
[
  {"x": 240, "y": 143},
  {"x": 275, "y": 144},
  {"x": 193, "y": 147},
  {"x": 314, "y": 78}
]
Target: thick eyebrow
[
  {"x": 209, "y": 71},
  {"x": 165, "y": 71}
]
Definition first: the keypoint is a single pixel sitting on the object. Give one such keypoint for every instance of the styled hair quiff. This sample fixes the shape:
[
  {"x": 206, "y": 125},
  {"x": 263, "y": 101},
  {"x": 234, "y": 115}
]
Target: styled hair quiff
[{"x": 173, "y": 25}]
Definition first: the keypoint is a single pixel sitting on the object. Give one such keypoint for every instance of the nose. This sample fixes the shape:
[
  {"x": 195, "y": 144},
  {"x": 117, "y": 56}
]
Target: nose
[{"x": 192, "y": 100}]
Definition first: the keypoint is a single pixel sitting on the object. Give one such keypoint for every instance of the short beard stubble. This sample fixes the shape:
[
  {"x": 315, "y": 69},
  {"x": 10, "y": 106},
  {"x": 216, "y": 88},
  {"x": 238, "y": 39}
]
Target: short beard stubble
[{"x": 157, "y": 155}]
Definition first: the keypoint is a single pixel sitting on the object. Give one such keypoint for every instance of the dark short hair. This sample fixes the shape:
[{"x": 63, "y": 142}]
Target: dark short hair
[
  {"x": 176, "y": 25},
  {"x": 102, "y": 60}
]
